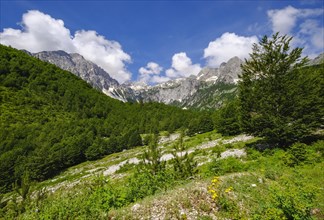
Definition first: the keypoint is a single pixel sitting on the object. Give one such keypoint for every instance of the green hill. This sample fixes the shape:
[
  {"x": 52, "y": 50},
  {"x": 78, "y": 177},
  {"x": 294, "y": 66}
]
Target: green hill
[{"x": 50, "y": 120}]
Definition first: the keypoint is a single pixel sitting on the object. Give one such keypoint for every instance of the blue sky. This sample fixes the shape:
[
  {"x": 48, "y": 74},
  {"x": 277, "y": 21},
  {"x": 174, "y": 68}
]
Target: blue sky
[{"x": 154, "y": 41}]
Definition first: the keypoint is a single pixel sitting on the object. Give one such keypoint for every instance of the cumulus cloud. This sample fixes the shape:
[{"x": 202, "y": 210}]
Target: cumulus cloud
[
  {"x": 284, "y": 20},
  {"x": 151, "y": 68},
  {"x": 312, "y": 28},
  {"x": 308, "y": 32},
  {"x": 151, "y": 74},
  {"x": 107, "y": 54},
  {"x": 228, "y": 46},
  {"x": 159, "y": 79},
  {"x": 41, "y": 32},
  {"x": 182, "y": 66}
]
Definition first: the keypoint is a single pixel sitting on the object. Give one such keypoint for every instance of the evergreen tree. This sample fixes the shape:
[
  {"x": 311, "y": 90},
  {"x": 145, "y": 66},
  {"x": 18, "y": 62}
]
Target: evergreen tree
[
  {"x": 271, "y": 101},
  {"x": 152, "y": 157},
  {"x": 226, "y": 119},
  {"x": 184, "y": 165}
]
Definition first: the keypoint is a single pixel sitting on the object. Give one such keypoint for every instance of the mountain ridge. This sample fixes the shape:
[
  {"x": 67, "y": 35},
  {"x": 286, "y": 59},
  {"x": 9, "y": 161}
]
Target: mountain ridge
[{"x": 187, "y": 92}]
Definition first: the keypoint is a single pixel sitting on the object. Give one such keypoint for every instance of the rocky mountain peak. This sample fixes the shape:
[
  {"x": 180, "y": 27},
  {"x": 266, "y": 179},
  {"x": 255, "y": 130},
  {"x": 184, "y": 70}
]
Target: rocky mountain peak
[
  {"x": 227, "y": 72},
  {"x": 79, "y": 66},
  {"x": 231, "y": 71}
]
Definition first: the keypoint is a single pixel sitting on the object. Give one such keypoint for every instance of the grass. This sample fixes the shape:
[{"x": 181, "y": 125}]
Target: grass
[{"x": 257, "y": 182}]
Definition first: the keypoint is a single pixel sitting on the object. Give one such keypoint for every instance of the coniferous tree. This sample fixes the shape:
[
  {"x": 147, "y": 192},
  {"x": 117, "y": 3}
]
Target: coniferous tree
[
  {"x": 226, "y": 119},
  {"x": 184, "y": 165},
  {"x": 272, "y": 104},
  {"x": 152, "y": 158}
]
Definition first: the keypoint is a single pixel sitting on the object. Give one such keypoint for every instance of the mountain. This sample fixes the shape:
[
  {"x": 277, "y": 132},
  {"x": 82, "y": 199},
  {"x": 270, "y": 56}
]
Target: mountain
[
  {"x": 201, "y": 91},
  {"x": 208, "y": 90},
  {"x": 86, "y": 70}
]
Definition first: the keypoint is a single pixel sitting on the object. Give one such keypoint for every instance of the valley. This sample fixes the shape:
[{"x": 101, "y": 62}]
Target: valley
[{"x": 241, "y": 141}]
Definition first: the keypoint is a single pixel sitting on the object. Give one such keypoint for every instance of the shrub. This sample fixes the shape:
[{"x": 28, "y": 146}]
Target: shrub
[
  {"x": 294, "y": 199},
  {"x": 228, "y": 165}
]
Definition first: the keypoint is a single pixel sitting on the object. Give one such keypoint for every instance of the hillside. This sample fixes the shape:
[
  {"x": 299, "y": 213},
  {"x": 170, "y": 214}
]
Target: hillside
[
  {"x": 232, "y": 180},
  {"x": 51, "y": 120}
]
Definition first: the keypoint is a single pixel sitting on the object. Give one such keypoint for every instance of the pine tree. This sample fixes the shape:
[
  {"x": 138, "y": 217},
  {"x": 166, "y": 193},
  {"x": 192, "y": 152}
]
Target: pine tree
[
  {"x": 272, "y": 105},
  {"x": 152, "y": 157},
  {"x": 184, "y": 165}
]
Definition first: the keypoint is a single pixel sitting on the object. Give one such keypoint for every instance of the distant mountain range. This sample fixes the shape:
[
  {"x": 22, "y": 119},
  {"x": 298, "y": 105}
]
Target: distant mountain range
[{"x": 208, "y": 90}]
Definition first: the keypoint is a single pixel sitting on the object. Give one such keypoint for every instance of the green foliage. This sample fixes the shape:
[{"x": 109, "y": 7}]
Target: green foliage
[
  {"x": 279, "y": 99},
  {"x": 50, "y": 120},
  {"x": 200, "y": 124},
  {"x": 294, "y": 197},
  {"x": 296, "y": 154},
  {"x": 144, "y": 183},
  {"x": 223, "y": 166},
  {"x": 184, "y": 165},
  {"x": 299, "y": 154},
  {"x": 151, "y": 160},
  {"x": 226, "y": 119}
]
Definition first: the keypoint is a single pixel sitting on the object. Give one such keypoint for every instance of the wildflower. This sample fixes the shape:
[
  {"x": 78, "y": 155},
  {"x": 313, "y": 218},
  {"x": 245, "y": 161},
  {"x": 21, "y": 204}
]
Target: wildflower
[
  {"x": 229, "y": 189},
  {"x": 212, "y": 189},
  {"x": 214, "y": 196},
  {"x": 215, "y": 180}
]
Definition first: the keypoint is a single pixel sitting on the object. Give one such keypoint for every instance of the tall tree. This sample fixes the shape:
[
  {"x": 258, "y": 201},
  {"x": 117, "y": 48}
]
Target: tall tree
[{"x": 271, "y": 100}]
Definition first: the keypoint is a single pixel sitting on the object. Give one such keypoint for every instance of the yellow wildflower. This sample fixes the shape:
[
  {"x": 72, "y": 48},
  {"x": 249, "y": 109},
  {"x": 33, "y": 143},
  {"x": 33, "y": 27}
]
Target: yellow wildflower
[{"x": 229, "y": 189}]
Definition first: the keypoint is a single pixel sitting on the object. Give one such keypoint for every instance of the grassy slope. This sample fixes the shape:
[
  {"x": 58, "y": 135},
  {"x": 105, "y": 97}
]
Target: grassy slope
[{"x": 76, "y": 191}]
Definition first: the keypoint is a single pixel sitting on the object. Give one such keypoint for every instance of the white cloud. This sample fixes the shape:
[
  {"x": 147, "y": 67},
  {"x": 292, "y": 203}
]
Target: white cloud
[
  {"x": 105, "y": 53},
  {"x": 41, "y": 32},
  {"x": 150, "y": 74},
  {"x": 182, "y": 66},
  {"x": 159, "y": 79},
  {"x": 308, "y": 32},
  {"x": 284, "y": 20},
  {"x": 228, "y": 46},
  {"x": 312, "y": 28},
  {"x": 151, "y": 68}
]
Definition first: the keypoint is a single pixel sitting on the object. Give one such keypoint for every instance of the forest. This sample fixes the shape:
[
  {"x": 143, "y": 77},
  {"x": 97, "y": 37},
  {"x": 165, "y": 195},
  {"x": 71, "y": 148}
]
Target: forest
[{"x": 50, "y": 120}]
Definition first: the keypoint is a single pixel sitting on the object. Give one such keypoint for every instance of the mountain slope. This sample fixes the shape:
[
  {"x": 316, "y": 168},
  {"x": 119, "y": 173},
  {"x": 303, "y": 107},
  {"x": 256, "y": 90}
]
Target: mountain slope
[
  {"x": 86, "y": 70},
  {"x": 51, "y": 119},
  {"x": 208, "y": 90},
  {"x": 186, "y": 92}
]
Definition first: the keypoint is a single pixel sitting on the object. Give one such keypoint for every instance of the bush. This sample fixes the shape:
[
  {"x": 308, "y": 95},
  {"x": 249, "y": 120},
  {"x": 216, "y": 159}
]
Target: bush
[
  {"x": 294, "y": 196},
  {"x": 229, "y": 165},
  {"x": 299, "y": 154},
  {"x": 296, "y": 154}
]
